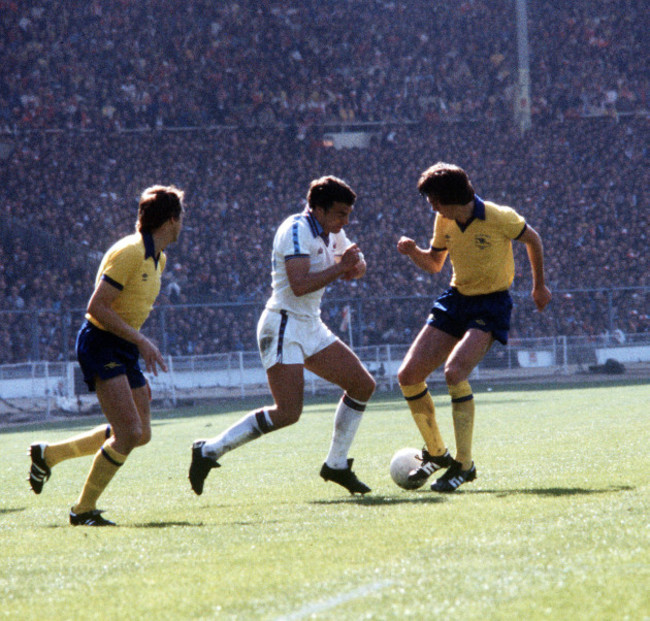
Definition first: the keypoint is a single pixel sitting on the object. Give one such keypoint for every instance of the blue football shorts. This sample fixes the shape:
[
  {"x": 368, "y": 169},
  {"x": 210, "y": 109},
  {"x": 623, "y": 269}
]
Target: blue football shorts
[
  {"x": 455, "y": 313},
  {"x": 105, "y": 355}
]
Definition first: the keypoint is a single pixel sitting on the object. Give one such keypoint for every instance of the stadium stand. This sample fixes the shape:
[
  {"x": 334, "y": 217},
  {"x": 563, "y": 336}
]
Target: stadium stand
[
  {"x": 157, "y": 63},
  {"x": 231, "y": 101}
]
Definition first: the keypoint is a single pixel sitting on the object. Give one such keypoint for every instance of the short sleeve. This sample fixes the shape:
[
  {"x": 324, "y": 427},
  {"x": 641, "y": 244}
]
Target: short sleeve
[
  {"x": 120, "y": 264},
  {"x": 293, "y": 241},
  {"x": 438, "y": 241},
  {"x": 511, "y": 222}
]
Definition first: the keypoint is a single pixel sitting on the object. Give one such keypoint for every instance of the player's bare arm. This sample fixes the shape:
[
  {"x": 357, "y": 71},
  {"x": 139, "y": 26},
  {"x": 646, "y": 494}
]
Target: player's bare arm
[
  {"x": 303, "y": 281},
  {"x": 100, "y": 307},
  {"x": 541, "y": 294},
  {"x": 428, "y": 260}
]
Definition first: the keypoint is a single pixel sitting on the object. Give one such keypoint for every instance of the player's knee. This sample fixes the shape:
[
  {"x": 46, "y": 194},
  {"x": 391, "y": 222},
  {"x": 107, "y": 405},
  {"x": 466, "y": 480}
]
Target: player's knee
[
  {"x": 145, "y": 436},
  {"x": 455, "y": 374},
  {"x": 129, "y": 438},
  {"x": 286, "y": 415},
  {"x": 406, "y": 376},
  {"x": 366, "y": 388}
]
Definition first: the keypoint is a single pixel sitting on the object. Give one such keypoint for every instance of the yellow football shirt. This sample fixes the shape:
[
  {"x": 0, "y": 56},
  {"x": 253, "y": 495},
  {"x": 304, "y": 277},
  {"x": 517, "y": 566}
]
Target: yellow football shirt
[
  {"x": 130, "y": 266},
  {"x": 481, "y": 250}
]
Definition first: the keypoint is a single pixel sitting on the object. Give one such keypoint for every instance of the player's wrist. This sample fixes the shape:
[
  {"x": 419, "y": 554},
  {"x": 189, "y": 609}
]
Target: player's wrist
[{"x": 140, "y": 339}]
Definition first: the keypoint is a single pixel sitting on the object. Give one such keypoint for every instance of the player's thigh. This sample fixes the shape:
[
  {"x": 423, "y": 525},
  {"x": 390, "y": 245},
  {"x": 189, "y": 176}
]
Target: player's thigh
[
  {"x": 429, "y": 350},
  {"x": 117, "y": 403},
  {"x": 338, "y": 364},
  {"x": 287, "y": 385},
  {"x": 467, "y": 354}
]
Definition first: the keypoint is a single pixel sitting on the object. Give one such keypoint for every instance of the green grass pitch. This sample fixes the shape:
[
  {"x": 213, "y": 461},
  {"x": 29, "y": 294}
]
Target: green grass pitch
[{"x": 555, "y": 527}]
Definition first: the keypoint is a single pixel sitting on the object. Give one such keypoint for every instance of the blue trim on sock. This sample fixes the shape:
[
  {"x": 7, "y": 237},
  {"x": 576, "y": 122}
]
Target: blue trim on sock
[
  {"x": 462, "y": 399},
  {"x": 109, "y": 458},
  {"x": 260, "y": 417},
  {"x": 418, "y": 396},
  {"x": 351, "y": 403}
]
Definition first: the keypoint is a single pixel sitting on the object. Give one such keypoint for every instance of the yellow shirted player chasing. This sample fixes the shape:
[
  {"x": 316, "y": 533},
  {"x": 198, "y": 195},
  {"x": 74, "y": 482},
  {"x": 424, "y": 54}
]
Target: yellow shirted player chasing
[{"x": 108, "y": 346}]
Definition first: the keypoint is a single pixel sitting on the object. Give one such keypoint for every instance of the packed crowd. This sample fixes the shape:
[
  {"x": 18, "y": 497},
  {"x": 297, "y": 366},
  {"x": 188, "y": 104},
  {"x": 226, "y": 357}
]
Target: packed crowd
[
  {"x": 264, "y": 80},
  {"x": 160, "y": 63},
  {"x": 581, "y": 184}
]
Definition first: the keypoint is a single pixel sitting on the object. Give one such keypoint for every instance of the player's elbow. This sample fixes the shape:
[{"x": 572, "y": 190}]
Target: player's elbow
[
  {"x": 299, "y": 290},
  {"x": 435, "y": 259},
  {"x": 95, "y": 309}
]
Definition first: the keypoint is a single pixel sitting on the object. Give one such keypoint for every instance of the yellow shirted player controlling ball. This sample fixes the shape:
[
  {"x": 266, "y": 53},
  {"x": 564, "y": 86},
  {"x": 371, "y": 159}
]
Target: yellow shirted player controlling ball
[{"x": 467, "y": 318}]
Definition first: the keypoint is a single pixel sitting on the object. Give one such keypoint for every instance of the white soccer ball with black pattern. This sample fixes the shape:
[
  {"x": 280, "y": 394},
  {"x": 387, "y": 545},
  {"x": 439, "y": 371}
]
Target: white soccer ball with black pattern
[{"x": 404, "y": 461}]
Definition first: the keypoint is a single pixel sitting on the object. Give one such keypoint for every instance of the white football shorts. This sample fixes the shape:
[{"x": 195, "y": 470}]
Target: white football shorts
[{"x": 289, "y": 339}]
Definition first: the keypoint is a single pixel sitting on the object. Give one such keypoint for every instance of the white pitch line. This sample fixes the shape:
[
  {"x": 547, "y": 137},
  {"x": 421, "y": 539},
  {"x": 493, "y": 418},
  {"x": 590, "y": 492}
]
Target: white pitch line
[{"x": 332, "y": 602}]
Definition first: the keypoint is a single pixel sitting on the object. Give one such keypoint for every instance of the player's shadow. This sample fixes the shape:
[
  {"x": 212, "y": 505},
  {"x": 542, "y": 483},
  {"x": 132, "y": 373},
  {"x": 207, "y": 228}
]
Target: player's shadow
[
  {"x": 165, "y": 524},
  {"x": 552, "y": 491},
  {"x": 11, "y": 510},
  {"x": 138, "y": 525},
  {"x": 417, "y": 498}
]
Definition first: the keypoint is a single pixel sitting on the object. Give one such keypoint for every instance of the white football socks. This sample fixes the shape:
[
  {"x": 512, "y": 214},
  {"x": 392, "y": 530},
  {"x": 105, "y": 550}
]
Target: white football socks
[
  {"x": 248, "y": 428},
  {"x": 346, "y": 422}
]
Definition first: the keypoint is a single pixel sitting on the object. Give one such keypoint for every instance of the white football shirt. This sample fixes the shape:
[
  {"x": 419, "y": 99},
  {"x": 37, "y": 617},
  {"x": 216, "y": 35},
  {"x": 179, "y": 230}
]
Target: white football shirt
[{"x": 301, "y": 235}]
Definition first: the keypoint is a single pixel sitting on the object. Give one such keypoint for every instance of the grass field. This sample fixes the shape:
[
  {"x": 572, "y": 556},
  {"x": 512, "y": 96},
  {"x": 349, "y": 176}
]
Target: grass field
[{"x": 555, "y": 527}]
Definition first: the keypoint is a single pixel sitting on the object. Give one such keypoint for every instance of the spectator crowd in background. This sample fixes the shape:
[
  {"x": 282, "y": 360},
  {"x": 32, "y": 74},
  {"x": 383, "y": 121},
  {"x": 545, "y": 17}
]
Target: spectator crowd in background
[
  {"x": 231, "y": 101},
  {"x": 164, "y": 63}
]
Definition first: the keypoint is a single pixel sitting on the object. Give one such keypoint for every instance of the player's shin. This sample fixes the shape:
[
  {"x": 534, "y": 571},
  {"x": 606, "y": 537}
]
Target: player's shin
[
  {"x": 86, "y": 443},
  {"x": 106, "y": 463},
  {"x": 423, "y": 411},
  {"x": 462, "y": 409},
  {"x": 346, "y": 422},
  {"x": 248, "y": 428}
]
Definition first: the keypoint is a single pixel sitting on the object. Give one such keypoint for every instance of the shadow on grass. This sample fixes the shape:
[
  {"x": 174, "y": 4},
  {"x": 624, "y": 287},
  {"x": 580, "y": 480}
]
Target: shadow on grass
[
  {"x": 11, "y": 510},
  {"x": 118, "y": 525},
  {"x": 165, "y": 524},
  {"x": 553, "y": 491},
  {"x": 197, "y": 524},
  {"x": 373, "y": 501}
]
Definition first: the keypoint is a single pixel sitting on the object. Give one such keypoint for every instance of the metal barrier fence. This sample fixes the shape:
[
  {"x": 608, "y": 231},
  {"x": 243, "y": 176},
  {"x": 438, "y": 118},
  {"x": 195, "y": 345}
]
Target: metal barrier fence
[
  {"x": 42, "y": 388},
  {"x": 212, "y": 328}
]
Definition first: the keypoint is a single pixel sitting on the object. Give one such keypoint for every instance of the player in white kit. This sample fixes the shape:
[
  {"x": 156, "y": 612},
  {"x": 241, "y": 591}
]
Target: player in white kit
[{"x": 310, "y": 251}]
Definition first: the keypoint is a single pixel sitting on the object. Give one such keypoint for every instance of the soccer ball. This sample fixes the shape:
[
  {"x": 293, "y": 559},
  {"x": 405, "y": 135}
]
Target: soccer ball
[{"x": 402, "y": 463}]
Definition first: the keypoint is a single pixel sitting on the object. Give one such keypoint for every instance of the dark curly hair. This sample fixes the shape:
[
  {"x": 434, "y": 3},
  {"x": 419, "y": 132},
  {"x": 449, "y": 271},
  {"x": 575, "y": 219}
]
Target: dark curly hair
[
  {"x": 326, "y": 191},
  {"x": 448, "y": 184},
  {"x": 158, "y": 204}
]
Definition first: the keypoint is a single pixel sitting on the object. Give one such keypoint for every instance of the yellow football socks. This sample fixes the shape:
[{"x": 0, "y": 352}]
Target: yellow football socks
[
  {"x": 84, "y": 444},
  {"x": 462, "y": 410},
  {"x": 423, "y": 411},
  {"x": 106, "y": 463}
]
